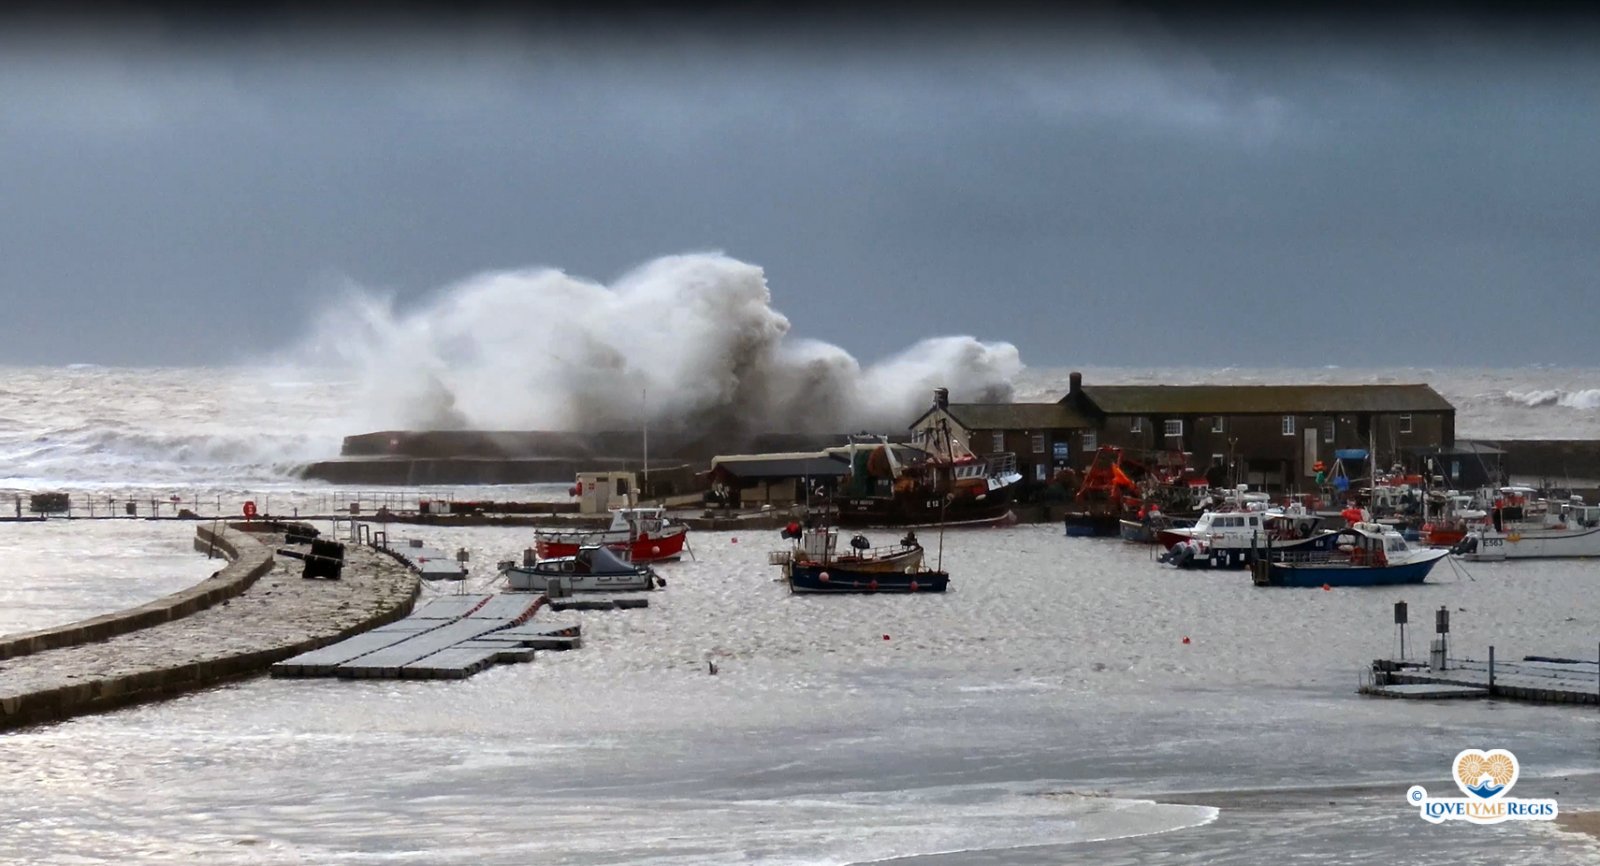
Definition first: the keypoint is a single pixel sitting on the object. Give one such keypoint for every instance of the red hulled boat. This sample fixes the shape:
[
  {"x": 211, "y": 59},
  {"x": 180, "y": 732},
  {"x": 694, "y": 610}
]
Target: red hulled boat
[{"x": 644, "y": 534}]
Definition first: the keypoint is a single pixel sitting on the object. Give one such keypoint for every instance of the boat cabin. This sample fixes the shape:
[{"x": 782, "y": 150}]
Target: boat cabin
[
  {"x": 1374, "y": 543},
  {"x": 637, "y": 520},
  {"x": 590, "y": 560}
]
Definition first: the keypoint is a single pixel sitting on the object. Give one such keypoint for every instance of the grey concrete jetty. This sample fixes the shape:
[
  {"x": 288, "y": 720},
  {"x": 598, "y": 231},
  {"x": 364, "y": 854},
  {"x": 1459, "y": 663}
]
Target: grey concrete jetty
[{"x": 253, "y": 612}]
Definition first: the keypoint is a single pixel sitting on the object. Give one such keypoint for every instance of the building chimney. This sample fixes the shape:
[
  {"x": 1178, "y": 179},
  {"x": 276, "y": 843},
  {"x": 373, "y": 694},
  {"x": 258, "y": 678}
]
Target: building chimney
[
  {"x": 1076, "y": 383},
  {"x": 941, "y": 398}
]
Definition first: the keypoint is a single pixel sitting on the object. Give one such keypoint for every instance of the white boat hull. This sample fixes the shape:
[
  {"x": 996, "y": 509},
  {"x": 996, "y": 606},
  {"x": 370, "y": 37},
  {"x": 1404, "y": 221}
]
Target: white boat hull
[
  {"x": 529, "y": 580},
  {"x": 1489, "y": 545}
]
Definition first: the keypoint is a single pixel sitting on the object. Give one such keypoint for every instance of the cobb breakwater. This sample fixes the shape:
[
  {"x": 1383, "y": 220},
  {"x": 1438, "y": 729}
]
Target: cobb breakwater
[{"x": 255, "y": 611}]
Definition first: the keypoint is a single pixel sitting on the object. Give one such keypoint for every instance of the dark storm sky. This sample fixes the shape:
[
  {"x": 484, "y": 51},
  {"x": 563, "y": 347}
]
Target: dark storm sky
[{"x": 1113, "y": 187}]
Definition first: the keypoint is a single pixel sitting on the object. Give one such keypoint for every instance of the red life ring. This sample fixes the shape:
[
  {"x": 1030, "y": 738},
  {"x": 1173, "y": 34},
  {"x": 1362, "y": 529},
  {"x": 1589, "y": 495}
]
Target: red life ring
[{"x": 250, "y": 508}]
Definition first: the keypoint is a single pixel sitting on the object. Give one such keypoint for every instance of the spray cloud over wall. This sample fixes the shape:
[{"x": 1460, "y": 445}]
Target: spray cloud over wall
[{"x": 691, "y": 340}]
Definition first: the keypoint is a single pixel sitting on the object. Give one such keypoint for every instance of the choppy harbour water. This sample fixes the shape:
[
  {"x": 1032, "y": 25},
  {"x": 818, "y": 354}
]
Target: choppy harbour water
[{"x": 1045, "y": 711}]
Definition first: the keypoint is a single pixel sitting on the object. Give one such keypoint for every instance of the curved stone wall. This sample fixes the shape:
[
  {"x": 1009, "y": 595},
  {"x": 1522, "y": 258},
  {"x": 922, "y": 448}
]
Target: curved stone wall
[{"x": 249, "y": 560}]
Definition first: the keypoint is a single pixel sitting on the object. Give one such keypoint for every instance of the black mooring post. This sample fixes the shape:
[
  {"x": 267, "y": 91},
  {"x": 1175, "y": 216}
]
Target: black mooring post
[
  {"x": 1491, "y": 670},
  {"x": 1401, "y": 617}
]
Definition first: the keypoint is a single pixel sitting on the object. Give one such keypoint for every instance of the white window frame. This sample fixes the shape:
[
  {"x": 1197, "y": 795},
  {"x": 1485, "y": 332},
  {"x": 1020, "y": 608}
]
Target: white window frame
[
  {"x": 1288, "y": 425},
  {"x": 1328, "y": 430},
  {"x": 1219, "y": 460},
  {"x": 998, "y": 441},
  {"x": 1041, "y": 472},
  {"x": 1405, "y": 423},
  {"x": 1038, "y": 443},
  {"x": 1136, "y": 425},
  {"x": 1217, "y": 424},
  {"x": 1174, "y": 427},
  {"x": 1091, "y": 441}
]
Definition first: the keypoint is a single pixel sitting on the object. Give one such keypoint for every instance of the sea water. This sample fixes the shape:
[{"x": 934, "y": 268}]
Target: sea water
[{"x": 1046, "y": 710}]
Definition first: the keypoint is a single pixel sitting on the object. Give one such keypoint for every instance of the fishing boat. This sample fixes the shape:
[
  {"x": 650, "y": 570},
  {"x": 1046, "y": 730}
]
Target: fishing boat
[
  {"x": 593, "y": 568},
  {"x": 1521, "y": 528},
  {"x": 1365, "y": 554},
  {"x": 1232, "y": 539},
  {"x": 937, "y": 482},
  {"x": 818, "y": 545},
  {"x": 819, "y": 578},
  {"x": 815, "y": 566},
  {"x": 645, "y": 534},
  {"x": 1098, "y": 503},
  {"x": 1450, "y": 516}
]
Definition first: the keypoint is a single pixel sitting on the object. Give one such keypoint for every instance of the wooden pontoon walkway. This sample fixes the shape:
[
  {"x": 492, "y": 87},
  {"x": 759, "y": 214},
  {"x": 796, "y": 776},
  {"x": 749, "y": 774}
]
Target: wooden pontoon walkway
[
  {"x": 1542, "y": 681},
  {"x": 450, "y": 637}
]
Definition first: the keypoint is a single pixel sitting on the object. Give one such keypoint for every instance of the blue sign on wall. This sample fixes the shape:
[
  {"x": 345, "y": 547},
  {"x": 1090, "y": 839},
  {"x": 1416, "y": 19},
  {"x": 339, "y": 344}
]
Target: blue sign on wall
[{"x": 1061, "y": 451}]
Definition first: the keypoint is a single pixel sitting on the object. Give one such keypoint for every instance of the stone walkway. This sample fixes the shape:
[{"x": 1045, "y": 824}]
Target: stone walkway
[{"x": 280, "y": 615}]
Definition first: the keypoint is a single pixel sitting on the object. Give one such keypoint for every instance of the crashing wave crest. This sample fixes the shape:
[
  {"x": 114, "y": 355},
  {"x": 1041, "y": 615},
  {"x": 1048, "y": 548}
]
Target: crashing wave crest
[{"x": 690, "y": 342}]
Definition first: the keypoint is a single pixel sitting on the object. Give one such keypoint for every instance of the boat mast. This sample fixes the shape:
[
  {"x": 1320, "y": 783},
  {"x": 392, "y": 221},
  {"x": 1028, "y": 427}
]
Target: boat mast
[
  {"x": 644, "y": 411},
  {"x": 944, "y": 495},
  {"x": 1372, "y": 466}
]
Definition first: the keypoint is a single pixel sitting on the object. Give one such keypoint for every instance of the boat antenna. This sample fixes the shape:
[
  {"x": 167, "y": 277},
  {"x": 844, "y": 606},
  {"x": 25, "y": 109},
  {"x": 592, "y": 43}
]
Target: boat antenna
[
  {"x": 644, "y": 412},
  {"x": 944, "y": 501}
]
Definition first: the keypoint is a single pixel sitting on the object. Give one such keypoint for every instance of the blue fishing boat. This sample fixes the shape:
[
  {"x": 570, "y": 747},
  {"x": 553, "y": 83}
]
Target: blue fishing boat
[{"x": 1364, "y": 554}]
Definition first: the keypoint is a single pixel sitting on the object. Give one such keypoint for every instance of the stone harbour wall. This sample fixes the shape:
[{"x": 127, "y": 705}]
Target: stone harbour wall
[{"x": 235, "y": 624}]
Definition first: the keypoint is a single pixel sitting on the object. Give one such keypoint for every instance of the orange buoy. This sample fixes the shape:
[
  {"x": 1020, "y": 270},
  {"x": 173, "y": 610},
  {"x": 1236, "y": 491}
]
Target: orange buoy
[
  {"x": 733, "y": 541},
  {"x": 823, "y": 577},
  {"x": 885, "y": 637},
  {"x": 1326, "y": 588},
  {"x": 1186, "y": 640}
]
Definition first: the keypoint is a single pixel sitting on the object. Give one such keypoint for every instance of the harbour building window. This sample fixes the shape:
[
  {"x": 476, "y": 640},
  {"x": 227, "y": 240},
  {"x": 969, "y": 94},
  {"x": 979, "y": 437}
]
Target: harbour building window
[
  {"x": 1327, "y": 430},
  {"x": 1216, "y": 460},
  {"x": 1405, "y": 423},
  {"x": 1174, "y": 427},
  {"x": 1288, "y": 425},
  {"x": 1137, "y": 425},
  {"x": 1090, "y": 442},
  {"x": 1216, "y": 424},
  {"x": 1038, "y": 443},
  {"x": 998, "y": 442}
]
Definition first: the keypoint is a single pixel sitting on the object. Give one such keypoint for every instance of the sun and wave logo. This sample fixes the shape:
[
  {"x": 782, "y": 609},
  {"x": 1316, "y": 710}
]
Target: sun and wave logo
[{"x": 1484, "y": 777}]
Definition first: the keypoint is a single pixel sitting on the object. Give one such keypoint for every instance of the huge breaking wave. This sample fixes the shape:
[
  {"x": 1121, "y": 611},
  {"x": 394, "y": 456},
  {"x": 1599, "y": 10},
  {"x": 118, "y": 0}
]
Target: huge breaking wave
[{"x": 683, "y": 342}]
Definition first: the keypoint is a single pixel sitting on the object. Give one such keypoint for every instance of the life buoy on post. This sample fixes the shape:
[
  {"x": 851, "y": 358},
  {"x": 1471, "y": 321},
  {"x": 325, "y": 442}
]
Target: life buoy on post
[{"x": 250, "y": 508}]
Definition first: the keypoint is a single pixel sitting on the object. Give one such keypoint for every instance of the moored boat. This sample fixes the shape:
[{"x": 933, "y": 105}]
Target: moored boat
[
  {"x": 940, "y": 482},
  {"x": 645, "y": 534},
  {"x": 813, "y": 564},
  {"x": 819, "y": 546},
  {"x": 1366, "y": 554},
  {"x": 593, "y": 568},
  {"x": 817, "y": 578},
  {"x": 1232, "y": 539},
  {"x": 1539, "y": 531}
]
